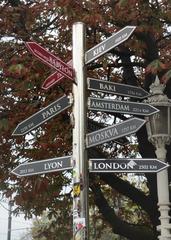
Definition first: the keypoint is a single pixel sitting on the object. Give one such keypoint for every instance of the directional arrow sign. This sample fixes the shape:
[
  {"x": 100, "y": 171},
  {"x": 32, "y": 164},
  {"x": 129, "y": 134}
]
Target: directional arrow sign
[
  {"x": 42, "y": 116},
  {"x": 43, "y": 166},
  {"x": 116, "y": 88},
  {"x": 108, "y": 44},
  {"x": 113, "y": 132},
  {"x": 50, "y": 59},
  {"x": 54, "y": 78},
  {"x": 94, "y": 126},
  {"x": 106, "y": 105},
  {"x": 127, "y": 165}
]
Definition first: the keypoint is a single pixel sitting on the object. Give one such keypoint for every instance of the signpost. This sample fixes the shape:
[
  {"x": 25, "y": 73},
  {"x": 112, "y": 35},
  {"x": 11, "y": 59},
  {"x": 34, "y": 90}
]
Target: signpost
[
  {"x": 116, "y": 88},
  {"x": 42, "y": 116},
  {"x": 54, "y": 78},
  {"x": 108, "y": 44},
  {"x": 112, "y": 105},
  {"x": 50, "y": 59},
  {"x": 43, "y": 166},
  {"x": 113, "y": 132},
  {"x": 127, "y": 165}
]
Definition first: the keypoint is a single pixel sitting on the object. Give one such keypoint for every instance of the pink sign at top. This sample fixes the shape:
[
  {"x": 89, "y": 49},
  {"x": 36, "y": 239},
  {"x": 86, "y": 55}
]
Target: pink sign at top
[
  {"x": 54, "y": 78},
  {"x": 50, "y": 59}
]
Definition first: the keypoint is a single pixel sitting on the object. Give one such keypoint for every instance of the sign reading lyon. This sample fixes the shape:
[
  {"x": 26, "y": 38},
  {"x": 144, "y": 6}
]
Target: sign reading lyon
[{"x": 43, "y": 166}]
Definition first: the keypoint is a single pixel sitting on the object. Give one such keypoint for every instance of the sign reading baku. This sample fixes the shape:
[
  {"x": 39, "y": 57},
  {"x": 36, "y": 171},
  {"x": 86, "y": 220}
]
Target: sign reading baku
[
  {"x": 126, "y": 165},
  {"x": 50, "y": 59},
  {"x": 54, "y": 78},
  {"x": 108, "y": 44},
  {"x": 112, "y": 105},
  {"x": 116, "y": 88},
  {"x": 113, "y": 132},
  {"x": 42, "y": 116},
  {"x": 43, "y": 166}
]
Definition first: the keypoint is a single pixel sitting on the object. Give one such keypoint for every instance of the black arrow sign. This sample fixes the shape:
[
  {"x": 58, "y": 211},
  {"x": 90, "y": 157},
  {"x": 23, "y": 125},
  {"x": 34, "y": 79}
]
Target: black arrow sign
[
  {"x": 127, "y": 165},
  {"x": 117, "y": 88},
  {"x": 113, "y": 132},
  {"x": 106, "y": 105},
  {"x": 42, "y": 116},
  {"x": 109, "y": 43},
  {"x": 43, "y": 166}
]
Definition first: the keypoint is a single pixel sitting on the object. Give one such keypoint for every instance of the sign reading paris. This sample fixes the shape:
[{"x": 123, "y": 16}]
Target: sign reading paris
[{"x": 42, "y": 116}]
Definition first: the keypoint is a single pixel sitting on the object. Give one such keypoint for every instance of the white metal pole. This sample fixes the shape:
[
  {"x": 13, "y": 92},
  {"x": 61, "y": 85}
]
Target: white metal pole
[{"x": 80, "y": 163}]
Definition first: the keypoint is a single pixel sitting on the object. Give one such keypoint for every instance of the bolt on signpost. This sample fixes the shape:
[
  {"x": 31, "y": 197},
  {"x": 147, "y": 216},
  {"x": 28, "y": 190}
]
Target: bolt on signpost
[{"x": 80, "y": 168}]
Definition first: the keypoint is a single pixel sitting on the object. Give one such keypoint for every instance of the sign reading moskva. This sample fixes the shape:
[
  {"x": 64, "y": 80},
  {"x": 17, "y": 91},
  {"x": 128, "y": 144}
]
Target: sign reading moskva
[
  {"x": 113, "y": 132},
  {"x": 111, "y": 105},
  {"x": 126, "y": 165},
  {"x": 116, "y": 88},
  {"x": 42, "y": 116},
  {"x": 43, "y": 166}
]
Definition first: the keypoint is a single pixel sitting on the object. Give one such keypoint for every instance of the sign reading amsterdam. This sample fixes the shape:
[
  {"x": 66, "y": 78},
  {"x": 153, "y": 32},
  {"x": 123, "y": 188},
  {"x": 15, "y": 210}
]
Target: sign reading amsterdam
[
  {"x": 116, "y": 88},
  {"x": 108, "y": 105},
  {"x": 43, "y": 166},
  {"x": 42, "y": 116},
  {"x": 113, "y": 132},
  {"x": 50, "y": 59},
  {"x": 109, "y": 44},
  {"x": 127, "y": 165}
]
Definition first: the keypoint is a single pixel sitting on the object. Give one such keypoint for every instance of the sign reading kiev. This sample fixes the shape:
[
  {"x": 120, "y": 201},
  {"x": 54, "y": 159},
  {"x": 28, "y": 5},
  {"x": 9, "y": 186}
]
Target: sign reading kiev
[
  {"x": 108, "y": 105},
  {"x": 50, "y": 60},
  {"x": 43, "y": 166},
  {"x": 126, "y": 165},
  {"x": 42, "y": 116},
  {"x": 108, "y": 44},
  {"x": 113, "y": 132},
  {"x": 116, "y": 88}
]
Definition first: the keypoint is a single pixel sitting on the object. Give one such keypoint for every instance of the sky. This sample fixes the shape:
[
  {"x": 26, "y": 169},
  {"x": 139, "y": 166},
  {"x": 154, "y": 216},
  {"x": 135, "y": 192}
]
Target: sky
[{"x": 19, "y": 226}]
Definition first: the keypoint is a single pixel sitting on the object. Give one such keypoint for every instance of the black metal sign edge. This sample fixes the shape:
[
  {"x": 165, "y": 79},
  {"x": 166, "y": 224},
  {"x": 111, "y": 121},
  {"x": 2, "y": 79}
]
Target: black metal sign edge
[
  {"x": 116, "y": 84},
  {"x": 105, "y": 141},
  {"x": 21, "y": 134},
  {"x": 112, "y": 111}
]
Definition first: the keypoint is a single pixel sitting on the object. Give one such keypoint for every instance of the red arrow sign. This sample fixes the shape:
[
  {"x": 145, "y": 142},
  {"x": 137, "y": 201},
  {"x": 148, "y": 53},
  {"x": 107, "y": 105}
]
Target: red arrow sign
[
  {"x": 51, "y": 60},
  {"x": 54, "y": 78}
]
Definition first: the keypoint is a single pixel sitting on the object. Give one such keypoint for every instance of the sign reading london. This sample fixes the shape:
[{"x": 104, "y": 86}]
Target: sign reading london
[
  {"x": 113, "y": 132},
  {"x": 112, "y": 105},
  {"x": 50, "y": 59},
  {"x": 43, "y": 166},
  {"x": 116, "y": 88},
  {"x": 126, "y": 165},
  {"x": 42, "y": 116},
  {"x": 108, "y": 44}
]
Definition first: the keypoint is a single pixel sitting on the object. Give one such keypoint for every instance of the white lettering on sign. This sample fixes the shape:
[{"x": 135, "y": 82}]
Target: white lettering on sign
[
  {"x": 52, "y": 165},
  {"x": 123, "y": 36},
  {"x": 55, "y": 62},
  {"x": 110, "y": 166},
  {"x": 98, "y": 50},
  {"x": 109, "y": 105},
  {"x": 107, "y": 87},
  {"x": 103, "y": 135},
  {"x": 51, "y": 111}
]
